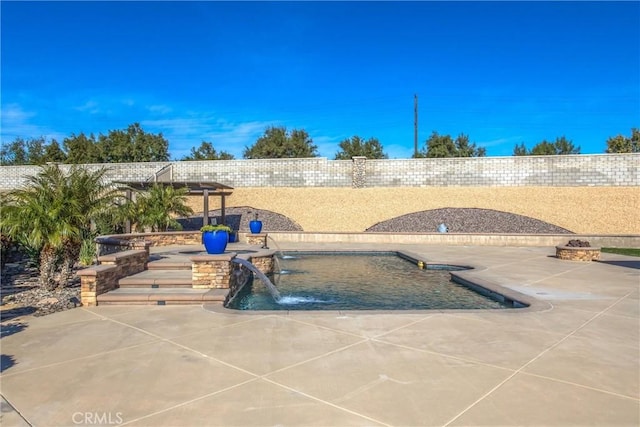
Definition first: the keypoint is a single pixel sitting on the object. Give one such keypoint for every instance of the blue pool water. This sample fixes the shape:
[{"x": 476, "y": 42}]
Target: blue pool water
[{"x": 359, "y": 281}]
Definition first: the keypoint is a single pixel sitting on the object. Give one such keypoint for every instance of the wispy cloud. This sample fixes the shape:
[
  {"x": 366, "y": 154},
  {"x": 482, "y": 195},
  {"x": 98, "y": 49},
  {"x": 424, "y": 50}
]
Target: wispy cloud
[
  {"x": 327, "y": 146},
  {"x": 501, "y": 146},
  {"x": 159, "y": 109},
  {"x": 500, "y": 141},
  {"x": 19, "y": 123},
  {"x": 183, "y": 133},
  {"x": 90, "y": 107}
]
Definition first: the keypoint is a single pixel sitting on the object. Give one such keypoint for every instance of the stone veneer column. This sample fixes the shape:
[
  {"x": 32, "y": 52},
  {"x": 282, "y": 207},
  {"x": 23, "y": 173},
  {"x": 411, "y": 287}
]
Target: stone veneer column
[
  {"x": 211, "y": 271},
  {"x": 95, "y": 281},
  {"x": 359, "y": 172},
  {"x": 257, "y": 239}
]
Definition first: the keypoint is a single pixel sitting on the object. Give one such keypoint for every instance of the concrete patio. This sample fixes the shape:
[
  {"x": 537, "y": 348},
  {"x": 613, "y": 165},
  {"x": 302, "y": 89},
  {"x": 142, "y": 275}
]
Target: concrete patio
[{"x": 576, "y": 362}]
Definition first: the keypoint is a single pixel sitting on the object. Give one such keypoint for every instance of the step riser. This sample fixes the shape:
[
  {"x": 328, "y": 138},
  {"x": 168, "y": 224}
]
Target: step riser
[
  {"x": 171, "y": 268},
  {"x": 156, "y": 265},
  {"x": 144, "y": 302},
  {"x": 155, "y": 286}
]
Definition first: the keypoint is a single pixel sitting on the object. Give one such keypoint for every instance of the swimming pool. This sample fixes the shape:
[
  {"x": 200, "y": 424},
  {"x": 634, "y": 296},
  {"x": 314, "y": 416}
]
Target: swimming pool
[{"x": 360, "y": 281}]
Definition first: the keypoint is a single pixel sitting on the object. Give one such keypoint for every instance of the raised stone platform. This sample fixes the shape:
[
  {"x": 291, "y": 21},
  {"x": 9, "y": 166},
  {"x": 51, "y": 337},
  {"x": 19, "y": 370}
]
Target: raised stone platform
[{"x": 574, "y": 253}]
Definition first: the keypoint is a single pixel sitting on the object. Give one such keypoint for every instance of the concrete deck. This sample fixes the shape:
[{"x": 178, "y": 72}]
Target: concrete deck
[{"x": 575, "y": 363}]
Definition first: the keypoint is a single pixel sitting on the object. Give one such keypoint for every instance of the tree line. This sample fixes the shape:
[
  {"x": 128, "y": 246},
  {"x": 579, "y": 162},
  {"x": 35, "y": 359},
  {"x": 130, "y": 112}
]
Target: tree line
[{"x": 133, "y": 144}]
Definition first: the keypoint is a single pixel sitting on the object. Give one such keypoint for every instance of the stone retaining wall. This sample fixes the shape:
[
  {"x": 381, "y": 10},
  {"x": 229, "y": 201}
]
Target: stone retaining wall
[
  {"x": 102, "y": 278},
  {"x": 114, "y": 243}
]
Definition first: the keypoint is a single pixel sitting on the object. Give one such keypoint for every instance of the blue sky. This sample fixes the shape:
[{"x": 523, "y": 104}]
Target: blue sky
[{"x": 501, "y": 72}]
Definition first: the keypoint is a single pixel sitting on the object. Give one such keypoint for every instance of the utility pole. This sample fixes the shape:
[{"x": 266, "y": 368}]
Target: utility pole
[{"x": 415, "y": 125}]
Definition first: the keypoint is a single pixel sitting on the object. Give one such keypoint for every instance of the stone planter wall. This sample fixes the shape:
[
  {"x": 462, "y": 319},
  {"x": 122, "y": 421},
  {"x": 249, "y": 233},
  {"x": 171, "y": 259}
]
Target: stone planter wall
[
  {"x": 123, "y": 242},
  {"x": 100, "y": 279},
  {"x": 572, "y": 253}
]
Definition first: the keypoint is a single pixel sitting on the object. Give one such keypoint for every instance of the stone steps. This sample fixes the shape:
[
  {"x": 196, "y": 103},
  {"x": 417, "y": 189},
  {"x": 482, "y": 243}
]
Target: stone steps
[
  {"x": 168, "y": 277},
  {"x": 163, "y": 283},
  {"x": 167, "y": 296},
  {"x": 155, "y": 278},
  {"x": 168, "y": 265}
]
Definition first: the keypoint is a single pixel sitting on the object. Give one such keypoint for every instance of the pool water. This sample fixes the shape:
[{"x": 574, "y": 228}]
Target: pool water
[{"x": 359, "y": 281}]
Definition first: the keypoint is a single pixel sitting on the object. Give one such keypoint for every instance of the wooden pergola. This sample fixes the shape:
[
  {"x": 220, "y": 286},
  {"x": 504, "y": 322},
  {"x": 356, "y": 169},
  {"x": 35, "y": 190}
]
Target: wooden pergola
[{"x": 195, "y": 187}]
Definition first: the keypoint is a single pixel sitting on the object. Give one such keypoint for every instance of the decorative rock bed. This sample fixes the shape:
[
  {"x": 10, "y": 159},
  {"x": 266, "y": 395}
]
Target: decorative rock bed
[{"x": 578, "y": 250}]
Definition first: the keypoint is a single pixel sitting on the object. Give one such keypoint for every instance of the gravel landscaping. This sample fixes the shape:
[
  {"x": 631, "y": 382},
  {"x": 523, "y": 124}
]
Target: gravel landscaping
[
  {"x": 464, "y": 220},
  {"x": 21, "y": 295}
]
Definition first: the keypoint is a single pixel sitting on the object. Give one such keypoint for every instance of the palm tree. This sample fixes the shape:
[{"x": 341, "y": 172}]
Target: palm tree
[
  {"x": 52, "y": 212},
  {"x": 156, "y": 208},
  {"x": 92, "y": 198}
]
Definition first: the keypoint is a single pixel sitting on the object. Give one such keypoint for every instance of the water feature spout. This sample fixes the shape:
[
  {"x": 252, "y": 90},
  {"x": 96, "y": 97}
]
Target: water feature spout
[
  {"x": 270, "y": 286},
  {"x": 279, "y": 251}
]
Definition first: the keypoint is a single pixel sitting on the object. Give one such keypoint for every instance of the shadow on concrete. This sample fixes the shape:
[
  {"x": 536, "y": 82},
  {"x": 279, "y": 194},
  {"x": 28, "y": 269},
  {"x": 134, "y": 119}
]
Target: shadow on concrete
[
  {"x": 11, "y": 328},
  {"x": 15, "y": 312},
  {"x": 6, "y": 361},
  {"x": 627, "y": 264}
]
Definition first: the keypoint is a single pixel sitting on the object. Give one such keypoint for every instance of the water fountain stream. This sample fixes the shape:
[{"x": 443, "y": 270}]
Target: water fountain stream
[{"x": 270, "y": 286}]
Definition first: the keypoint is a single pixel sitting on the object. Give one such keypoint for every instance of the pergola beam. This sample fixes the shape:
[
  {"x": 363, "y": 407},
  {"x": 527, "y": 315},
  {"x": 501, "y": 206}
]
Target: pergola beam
[{"x": 205, "y": 188}]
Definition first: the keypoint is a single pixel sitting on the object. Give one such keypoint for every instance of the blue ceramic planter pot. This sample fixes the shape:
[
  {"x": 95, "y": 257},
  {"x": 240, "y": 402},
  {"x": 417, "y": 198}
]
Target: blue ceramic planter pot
[
  {"x": 255, "y": 226},
  {"x": 215, "y": 242}
]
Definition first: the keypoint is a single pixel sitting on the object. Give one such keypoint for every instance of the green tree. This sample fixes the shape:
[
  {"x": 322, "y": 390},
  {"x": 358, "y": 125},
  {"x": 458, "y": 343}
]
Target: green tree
[
  {"x": 53, "y": 153},
  {"x": 561, "y": 146},
  {"x": 206, "y": 152},
  {"x": 565, "y": 146},
  {"x": 466, "y": 149},
  {"x": 133, "y": 145},
  {"x": 445, "y": 146},
  {"x": 622, "y": 144},
  {"x": 356, "y": 146},
  {"x": 544, "y": 148},
  {"x": 14, "y": 153},
  {"x": 82, "y": 149},
  {"x": 50, "y": 214},
  {"x": 277, "y": 143},
  {"x": 32, "y": 151},
  {"x": 155, "y": 209},
  {"x": 35, "y": 151},
  {"x": 94, "y": 198},
  {"x": 520, "y": 150}
]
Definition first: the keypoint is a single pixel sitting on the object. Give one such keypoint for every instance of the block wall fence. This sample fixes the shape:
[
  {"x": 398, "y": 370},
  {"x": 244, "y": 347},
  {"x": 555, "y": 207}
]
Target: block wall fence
[
  {"x": 588, "y": 194},
  {"x": 599, "y": 170}
]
